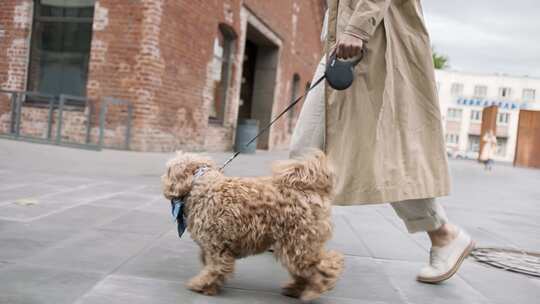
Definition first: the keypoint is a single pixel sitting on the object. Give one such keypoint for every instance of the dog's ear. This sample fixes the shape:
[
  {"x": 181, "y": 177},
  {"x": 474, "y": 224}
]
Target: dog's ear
[
  {"x": 178, "y": 179},
  {"x": 310, "y": 172}
]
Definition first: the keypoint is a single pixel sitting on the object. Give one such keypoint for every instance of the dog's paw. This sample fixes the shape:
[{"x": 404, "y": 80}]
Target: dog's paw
[
  {"x": 292, "y": 289},
  {"x": 309, "y": 295},
  {"x": 200, "y": 287},
  {"x": 291, "y": 292}
]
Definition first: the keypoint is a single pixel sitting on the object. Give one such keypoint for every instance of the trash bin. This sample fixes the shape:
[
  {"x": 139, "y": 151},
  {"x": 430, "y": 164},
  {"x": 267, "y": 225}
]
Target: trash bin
[{"x": 245, "y": 131}]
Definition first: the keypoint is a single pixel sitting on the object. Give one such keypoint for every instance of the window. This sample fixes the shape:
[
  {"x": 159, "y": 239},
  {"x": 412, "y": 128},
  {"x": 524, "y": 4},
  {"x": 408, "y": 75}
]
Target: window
[
  {"x": 503, "y": 118},
  {"x": 529, "y": 94},
  {"x": 438, "y": 87},
  {"x": 505, "y": 92},
  {"x": 480, "y": 91},
  {"x": 457, "y": 89},
  {"x": 501, "y": 146},
  {"x": 452, "y": 139},
  {"x": 476, "y": 115},
  {"x": 474, "y": 143},
  {"x": 454, "y": 114},
  {"x": 60, "y": 46},
  {"x": 294, "y": 94},
  {"x": 223, "y": 52}
]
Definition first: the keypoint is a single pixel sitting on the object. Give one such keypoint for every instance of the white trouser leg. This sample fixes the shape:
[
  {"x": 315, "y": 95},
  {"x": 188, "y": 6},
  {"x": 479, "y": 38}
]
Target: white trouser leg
[
  {"x": 421, "y": 214},
  {"x": 309, "y": 131}
]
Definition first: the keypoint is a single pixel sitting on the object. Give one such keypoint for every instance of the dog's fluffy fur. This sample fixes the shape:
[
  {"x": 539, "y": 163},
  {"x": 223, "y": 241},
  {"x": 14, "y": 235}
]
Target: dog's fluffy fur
[{"x": 231, "y": 218}]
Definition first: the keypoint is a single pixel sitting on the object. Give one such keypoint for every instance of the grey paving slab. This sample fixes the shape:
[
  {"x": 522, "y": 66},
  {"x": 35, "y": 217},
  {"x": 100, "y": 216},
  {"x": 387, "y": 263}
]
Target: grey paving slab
[
  {"x": 159, "y": 205},
  {"x": 28, "y": 213},
  {"x": 4, "y": 224},
  {"x": 171, "y": 259},
  {"x": 93, "y": 251},
  {"x": 345, "y": 239},
  {"x": 384, "y": 240},
  {"x": 20, "y": 284},
  {"x": 4, "y": 264},
  {"x": 128, "y": 201},
  {"x": 82, "y": 233},
  {"x": 140, "y": 222},
  {"x": 57, "y": 201},
  {"x": 152, "y": 188},
  {"x": 26, "y": 191},
  {"x": 93, "y": 191},
  {"x": 456, "y": 290},
  {"x": 365, "y": 279},
  {"x": 501, "y": 286},
  {"x": 124, "y": 289},
  {"x": 69, "y": 181},
  {"x": 81, "y": 217},
  {"x": 20, "y": 178},
  {"x": 21, "y": 241}
]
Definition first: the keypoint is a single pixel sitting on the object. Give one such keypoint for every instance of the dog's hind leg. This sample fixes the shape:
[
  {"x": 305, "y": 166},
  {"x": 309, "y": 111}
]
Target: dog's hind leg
[
  {"x": 217, "y": 269},
  {"x": 299, "y": 262},
  {"x": 314, "y": 271},
  {"x": 324, "y": 276},
  {"x": 202, "y": 256}
]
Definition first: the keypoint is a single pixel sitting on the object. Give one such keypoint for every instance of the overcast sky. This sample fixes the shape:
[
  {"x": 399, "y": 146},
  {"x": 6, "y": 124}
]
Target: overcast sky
[{"x": 487, "y": 35}]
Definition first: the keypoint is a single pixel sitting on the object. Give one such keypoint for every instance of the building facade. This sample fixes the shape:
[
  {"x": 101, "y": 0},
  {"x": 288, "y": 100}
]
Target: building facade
[
  {"x": 463, "y": 96},
  {"x": 191, "y": 69}
]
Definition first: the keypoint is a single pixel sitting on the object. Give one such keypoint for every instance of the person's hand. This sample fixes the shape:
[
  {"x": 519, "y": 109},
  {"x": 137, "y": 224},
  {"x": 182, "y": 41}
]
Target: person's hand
[{"x": 349, "y": 47}]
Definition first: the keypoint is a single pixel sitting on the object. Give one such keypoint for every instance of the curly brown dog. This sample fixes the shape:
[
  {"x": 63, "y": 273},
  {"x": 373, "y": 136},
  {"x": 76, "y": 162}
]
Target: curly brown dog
[{"x": 231, "y": 218}]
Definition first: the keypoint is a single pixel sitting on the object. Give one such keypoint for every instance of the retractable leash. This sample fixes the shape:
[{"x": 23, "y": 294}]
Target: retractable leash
[{"x": 339, "y": 74}]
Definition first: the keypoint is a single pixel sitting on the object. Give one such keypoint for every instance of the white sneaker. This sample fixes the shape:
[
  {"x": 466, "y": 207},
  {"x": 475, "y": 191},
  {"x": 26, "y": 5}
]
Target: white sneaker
[{"x": 445, "y": 261}]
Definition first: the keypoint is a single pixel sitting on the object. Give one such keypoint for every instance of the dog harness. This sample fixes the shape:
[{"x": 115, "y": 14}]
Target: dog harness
[{"x": 178, "y": 204}]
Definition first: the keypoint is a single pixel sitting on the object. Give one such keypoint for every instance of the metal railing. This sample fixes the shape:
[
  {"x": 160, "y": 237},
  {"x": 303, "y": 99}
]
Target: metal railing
[
  {"x": 105, "y": 108},
  {"x": 60, "y": 103}
]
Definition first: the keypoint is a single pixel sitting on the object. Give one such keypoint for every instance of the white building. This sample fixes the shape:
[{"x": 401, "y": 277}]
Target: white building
[{"x": 464, "y": 95}]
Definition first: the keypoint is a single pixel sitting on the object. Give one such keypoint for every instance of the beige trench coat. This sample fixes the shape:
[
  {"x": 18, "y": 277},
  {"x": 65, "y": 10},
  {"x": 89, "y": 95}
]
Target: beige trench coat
[{"x": 384, "y": 134}]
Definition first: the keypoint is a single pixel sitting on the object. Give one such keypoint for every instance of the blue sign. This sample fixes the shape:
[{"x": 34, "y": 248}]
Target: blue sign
[{"x": 486, "y": 103}]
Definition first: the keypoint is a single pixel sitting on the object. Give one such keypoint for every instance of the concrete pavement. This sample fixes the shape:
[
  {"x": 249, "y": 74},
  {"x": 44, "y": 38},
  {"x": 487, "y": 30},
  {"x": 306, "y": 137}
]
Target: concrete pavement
[{"x": 91, "y": 227}]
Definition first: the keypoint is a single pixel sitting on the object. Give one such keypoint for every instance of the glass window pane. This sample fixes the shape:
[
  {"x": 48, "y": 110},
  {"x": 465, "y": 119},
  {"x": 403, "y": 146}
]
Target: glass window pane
[
  {"x": 60, "y": 49},
  {"x": 67, "y": 8}
]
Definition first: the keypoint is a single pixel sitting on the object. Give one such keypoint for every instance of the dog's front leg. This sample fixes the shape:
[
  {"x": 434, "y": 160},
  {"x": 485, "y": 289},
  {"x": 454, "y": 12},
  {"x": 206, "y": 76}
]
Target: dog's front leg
[
  {"x": 202, "y": 256},
  {"x": 210, "y": 280}
]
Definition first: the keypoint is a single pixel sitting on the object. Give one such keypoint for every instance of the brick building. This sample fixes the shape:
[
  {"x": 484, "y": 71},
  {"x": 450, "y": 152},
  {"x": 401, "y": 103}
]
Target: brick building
[{"x": 191, "y": 69}]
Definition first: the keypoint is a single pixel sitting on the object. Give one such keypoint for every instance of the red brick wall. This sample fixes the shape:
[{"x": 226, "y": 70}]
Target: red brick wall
[
  {"x": 15, "y": 24},
  {"x": 300, "y": 52},
  {"x": 159, "y": 55}
]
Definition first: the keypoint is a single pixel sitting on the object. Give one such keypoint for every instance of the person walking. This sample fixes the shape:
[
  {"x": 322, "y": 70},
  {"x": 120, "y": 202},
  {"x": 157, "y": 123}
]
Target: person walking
[
  {"x": 490, "y": 147},
  {"x": 383, "y": 135}
]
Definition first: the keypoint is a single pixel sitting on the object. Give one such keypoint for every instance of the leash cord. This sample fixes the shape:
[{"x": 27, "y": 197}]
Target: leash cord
[{"x": 274, "y": 120}]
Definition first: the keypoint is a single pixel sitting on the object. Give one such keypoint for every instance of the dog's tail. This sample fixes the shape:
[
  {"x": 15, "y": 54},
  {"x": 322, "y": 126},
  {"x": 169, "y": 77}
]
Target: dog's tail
[{"x": 311, "y": 172}]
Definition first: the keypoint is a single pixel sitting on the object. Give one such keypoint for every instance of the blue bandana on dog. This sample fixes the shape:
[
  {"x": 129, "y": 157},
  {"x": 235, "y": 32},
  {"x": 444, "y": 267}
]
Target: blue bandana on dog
[
  {"x": 178, "y": 204},
  {"x": 177, "y": 210}
]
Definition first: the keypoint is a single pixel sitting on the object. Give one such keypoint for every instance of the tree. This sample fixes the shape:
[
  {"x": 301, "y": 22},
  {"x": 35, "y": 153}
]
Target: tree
[{"x": 440, "y": 61}]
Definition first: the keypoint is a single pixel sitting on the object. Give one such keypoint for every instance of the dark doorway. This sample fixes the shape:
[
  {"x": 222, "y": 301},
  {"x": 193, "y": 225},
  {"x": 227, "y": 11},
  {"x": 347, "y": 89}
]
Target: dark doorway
[
  {"x": 248, "y": 80},
  {"x": 261, "y": 57}
]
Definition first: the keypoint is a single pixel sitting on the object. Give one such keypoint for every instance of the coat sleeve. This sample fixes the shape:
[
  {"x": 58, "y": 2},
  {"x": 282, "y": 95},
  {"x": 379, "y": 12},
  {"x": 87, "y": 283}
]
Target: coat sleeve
[{"x": 367, "y": 15}]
